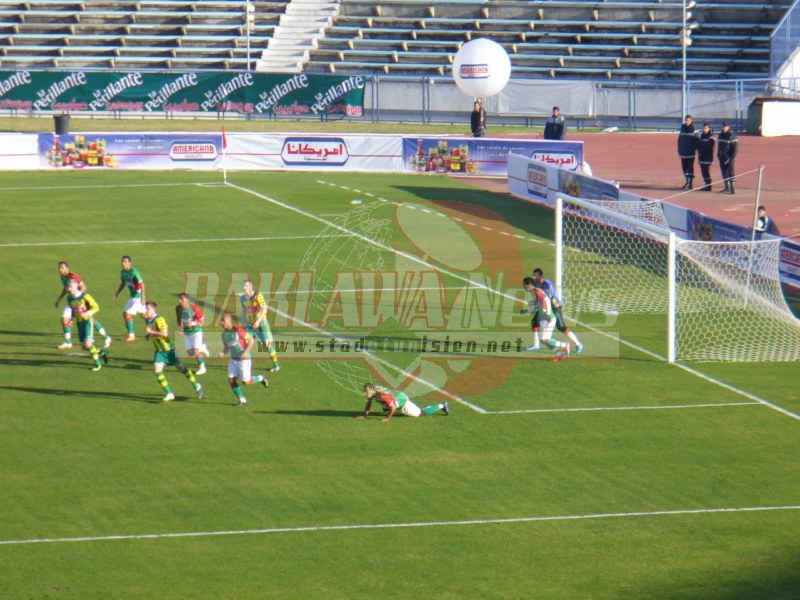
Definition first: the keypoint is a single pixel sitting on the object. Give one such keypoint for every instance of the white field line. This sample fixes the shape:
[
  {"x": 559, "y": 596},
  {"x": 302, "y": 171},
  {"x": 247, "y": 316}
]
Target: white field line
[
  {"x": 385, "y": 363},
  {"x": 604, "y": 408},
  {"x": 175, "y": 241},
  {"x": 363, "y": 526},
  {"x": 438, "y": 214},
  {"x": 104, "y": 186},
  {"x": 479, "y": 285}
]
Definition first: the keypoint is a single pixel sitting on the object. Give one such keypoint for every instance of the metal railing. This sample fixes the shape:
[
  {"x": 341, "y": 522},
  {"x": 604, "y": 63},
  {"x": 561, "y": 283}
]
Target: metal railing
[{"x": 784, "y": 39}]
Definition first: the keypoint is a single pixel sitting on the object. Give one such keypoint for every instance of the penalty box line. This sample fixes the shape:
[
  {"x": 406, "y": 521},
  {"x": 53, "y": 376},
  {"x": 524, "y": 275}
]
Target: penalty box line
[
  {"x": 418, "y": 524},
  {"x": 498, "y": 293},
  {"x": 386, "y": 363}
]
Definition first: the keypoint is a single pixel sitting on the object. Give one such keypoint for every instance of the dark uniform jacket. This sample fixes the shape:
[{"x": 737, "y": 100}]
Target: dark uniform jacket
[
  {"x": 705, "y": 148},
  {"x": 687, "y": 141},
  {"x": 727, "y": 146},
  {"x": 555, "y": 128}
]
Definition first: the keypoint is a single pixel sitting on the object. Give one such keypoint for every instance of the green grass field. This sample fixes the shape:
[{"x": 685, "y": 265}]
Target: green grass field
[{"x": 609, "y": 475}]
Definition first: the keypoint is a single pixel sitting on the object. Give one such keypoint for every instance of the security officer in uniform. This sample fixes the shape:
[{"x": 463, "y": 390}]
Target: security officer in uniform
[
  {"x": 687, "y": 146},
  {"x": 727, "y": 148},
  {"x": 705, "y": 155}
]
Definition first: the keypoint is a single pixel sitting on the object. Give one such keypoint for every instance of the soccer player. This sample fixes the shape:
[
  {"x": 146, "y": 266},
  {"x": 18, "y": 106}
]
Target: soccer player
[
  {"x": 548, "y": 288},
  {"x": 237, "y": 342},
  {"x": 157, "y": 331},
  {"x": 539, "y": 306},
  {"x": 66, "y": 314},
  {"x": 136, "y": 304},
  {"x": 255, "y": 315},
  {"x": 393, "y": 401},
  {"x": 84, "y": 308},
  {"x": 190, "y": 326}
]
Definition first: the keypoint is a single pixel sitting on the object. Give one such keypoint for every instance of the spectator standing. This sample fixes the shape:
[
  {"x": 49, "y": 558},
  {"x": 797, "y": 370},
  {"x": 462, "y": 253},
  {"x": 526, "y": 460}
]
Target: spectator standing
[
  {"x": 727, "y": 149},
  {"x": 705, "y": 155},
  {"x": 478, "y": 120},
  {"x": 687, "y": 147},
  {"x": 764, "y": 224},
  {"x": 556, "y": 127}
]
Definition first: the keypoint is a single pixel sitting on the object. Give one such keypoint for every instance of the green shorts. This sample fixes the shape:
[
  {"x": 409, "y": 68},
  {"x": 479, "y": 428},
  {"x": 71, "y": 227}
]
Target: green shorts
[
  {"x": 167, "y": 358},
  {"x": 85, "y": 329}
]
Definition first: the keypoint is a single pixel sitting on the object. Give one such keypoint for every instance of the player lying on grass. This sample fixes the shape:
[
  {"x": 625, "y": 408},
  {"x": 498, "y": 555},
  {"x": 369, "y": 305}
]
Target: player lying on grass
[
  {"x": 84, "y": 308},
  {"x": 157, "y": 331},
  {"x": 543, "y": 318},
  {"x": 393, "y": 401},
  {"x": 66, "y": 315},
  {"x": 237, "y": 342}
]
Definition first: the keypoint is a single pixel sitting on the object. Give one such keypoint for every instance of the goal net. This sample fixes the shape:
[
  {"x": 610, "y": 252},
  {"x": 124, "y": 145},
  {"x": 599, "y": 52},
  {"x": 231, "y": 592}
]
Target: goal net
[{"x": 699, "y": 301}]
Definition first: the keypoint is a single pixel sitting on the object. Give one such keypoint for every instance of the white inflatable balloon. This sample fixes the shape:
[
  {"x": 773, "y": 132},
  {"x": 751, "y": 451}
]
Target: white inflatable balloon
[{"x": 481, "y": 68}]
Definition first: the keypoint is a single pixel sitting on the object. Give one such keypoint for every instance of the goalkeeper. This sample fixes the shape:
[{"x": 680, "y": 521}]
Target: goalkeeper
[
  {"x": 548, "y": 288},
  {"x": 541, "y": 309}
]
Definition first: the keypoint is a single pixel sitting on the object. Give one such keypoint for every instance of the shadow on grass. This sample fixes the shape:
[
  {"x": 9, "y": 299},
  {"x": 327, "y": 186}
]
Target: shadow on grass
[
  {"x": 310, "y": 413},
  {"x": 81, "y": 393}
]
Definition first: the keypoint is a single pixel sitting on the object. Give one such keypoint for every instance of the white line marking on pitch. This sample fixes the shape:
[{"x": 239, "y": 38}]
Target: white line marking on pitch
[
  {"x": 183, "y": 241},
  {"x": 385, "y": 363},
  {"x": 460, "y": 277},
  {"x": 318, "y": 528},
  {"x": 603, "y": 408},
  {"x": 102, "y": 186}
]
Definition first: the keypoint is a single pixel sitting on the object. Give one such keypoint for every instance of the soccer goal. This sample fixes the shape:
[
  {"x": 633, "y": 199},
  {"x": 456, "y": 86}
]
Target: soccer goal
[{"x": 706, "y": 301}]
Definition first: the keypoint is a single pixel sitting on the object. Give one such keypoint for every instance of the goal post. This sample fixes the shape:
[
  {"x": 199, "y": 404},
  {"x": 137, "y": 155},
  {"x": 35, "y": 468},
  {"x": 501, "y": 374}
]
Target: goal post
[{"x": 691, "y": 300}]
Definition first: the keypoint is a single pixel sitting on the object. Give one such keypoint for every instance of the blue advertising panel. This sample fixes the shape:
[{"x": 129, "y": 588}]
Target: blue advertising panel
[
  {"x": 129, "y": 150},
  {"x": 484, "y": 156}
]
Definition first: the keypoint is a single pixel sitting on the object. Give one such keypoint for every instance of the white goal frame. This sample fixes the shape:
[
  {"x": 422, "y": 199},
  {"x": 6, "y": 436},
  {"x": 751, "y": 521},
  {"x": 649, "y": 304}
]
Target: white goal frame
[{"x": 723, "y": 301}]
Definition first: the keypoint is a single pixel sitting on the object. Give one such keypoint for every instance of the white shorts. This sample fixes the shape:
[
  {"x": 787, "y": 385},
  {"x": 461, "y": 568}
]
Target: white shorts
[
  {"x": 240, "y": 369},
  {"x": 193, "y": 341},
  {"x": 546, "y": 329},
  {"x": 410, "y": 409},
  {"x": 134, "y": 306},
  {"x": 67, "y": 312}
]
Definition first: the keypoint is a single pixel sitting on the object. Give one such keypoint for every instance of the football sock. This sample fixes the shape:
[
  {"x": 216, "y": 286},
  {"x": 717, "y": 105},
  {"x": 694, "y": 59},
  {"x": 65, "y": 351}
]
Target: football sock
[
  {"x": 551, "y": 343},
  {"x": 162, "y": 381},
  {"x": 573, "y": 337},
  {"x": 272, "y": 354},
  {"x": 237, "y": 391},
  {"x": 429, "y": 410},
  {"x": 128, "y": 323},
  {"x": 258, "y": 378},
  {"x": 67, "y": 333},
  {"x": 190, "y": 376},
  {"x": 95, "y": 354},
  {"x": 200, "y": 361},
  {"x": 535, "y": 336},
  {"x": 98, "y": 327}
]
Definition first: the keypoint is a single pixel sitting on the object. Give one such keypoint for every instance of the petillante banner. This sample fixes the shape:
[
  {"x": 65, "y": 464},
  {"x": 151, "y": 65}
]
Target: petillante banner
[{"x": 135, "y": 92}]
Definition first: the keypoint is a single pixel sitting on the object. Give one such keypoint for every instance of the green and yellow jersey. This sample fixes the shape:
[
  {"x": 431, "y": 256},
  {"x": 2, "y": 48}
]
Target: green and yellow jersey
[
  {"x": 253, "y": 306},
  {"x": 84, "y": 307},
  {"x": 162, "y": 344}
]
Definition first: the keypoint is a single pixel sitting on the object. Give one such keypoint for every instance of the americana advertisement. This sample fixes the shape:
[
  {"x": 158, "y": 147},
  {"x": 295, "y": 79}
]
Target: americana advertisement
[
  {"x": 207, "y": 151},
  {"x": 484, "y": 156},
  {"x": 241, "y": 93}
]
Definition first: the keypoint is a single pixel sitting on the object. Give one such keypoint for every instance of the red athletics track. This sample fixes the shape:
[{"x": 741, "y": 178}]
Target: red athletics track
[{"x": 648, "y": 164}]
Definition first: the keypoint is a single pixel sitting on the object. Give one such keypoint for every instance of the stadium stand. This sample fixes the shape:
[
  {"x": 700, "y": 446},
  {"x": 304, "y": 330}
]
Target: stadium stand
[
  {"x": 144, "y": 34},
  {"x": 553, "y": 38}
]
